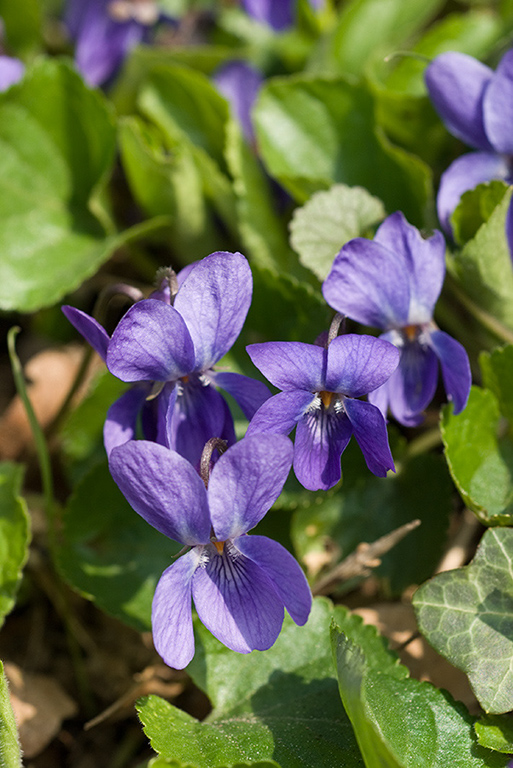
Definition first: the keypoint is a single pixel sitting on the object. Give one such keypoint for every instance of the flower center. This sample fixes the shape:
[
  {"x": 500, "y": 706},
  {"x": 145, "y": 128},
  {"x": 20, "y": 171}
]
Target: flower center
[
  {"x": 219, "y": 545},
  {"x": 326, "y": 398},
  {"x": 411, "y": 332},
  {"x": 142, "y": 11}
]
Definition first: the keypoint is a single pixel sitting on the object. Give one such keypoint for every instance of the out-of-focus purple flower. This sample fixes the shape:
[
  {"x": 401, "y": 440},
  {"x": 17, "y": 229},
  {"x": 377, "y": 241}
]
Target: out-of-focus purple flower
[
  {"x": 240, "y": 584},
  {"x": 105, "y": 31},
  {"x": 278, "y": 14},
  {"x": 168, "y": 352},
  {"x": 393, "y": 283},
  {"x": 476, "y": 105},
  {"x": 239, "y": 83},
  {"x": 319, "y": 387},
  {"x": 11, "y": 72}
]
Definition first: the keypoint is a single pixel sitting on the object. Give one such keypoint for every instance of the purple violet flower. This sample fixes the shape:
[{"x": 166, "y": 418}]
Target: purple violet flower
[
  {"x": 240, "y": 584},
  {"x": 393, "y": 283},
  {"x": 476, "y": 105},
  {"x": 105, "y": 31},
  {"x": 11, "y": 72},
  {"x": 277, "y": 14},
  {"x": 240, "y": 83},
  {"x": 319, "y": 387},
  {"x": 168, "y": 352}
]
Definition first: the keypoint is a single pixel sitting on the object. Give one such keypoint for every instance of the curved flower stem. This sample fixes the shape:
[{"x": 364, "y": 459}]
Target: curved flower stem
[
  {"x": 337, "y": 321},
  {"x": 45, "y": 468},
  {"x": 43, "y": 455},
  {"x": 206, "y": 456}
]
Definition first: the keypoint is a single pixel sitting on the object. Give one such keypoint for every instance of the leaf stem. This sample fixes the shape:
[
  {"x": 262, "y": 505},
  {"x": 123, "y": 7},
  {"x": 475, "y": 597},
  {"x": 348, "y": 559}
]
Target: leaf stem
[
  {"x": 10, "y": 756},
  {"x": 487, "y": 320}
]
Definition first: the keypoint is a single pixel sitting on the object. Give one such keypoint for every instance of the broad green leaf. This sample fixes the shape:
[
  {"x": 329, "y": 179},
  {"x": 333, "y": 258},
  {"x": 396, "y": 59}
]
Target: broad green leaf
[
  {"x": 495, "y": 732},
  {"x": 480, "y": 463},
  {"x": 375, "y": 28},
  {"x": 168, "y": 183},
  {"x": 57, "y": 143},
  {"x": 14, "y": 534},
  {"x": 475, "y": 208},
  {"x": 400, "y": 722},
  {"x": 187, "y": 108},
  {"x": 110, "y": 554},
  {"x": 473, "y": 32},
  {"x": 162, "y": 762},
  {"x": 262, "y": 229},
  {"x": 279, "y": 706},
  {"x": 144, "y": 58},
  {"x": 328, "y": 220},
  {"x": 483, "y": 266},
  {"x": 10, "y": 755},
  {"x": 186, "y": 103},
  {"x": 316, "y": 131},
  {"x": 497, "y": 370},
  {"x": 466, "y": 616},
  {"x": 367, "y": 507}
]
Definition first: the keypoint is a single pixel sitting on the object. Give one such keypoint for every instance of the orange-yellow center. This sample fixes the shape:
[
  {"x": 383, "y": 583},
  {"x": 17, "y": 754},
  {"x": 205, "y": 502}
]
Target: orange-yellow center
[
  {"x": 410, "y": 332},
  {"x": 219, "y": 545},
  {"x": 326, "y": 398}
]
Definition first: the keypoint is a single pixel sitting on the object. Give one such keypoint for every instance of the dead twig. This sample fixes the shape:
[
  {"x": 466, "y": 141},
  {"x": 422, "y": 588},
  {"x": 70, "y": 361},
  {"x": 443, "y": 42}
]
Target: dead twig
[
  {"x": 360, "y": 562},
  {"x": 153, "y": 679}
]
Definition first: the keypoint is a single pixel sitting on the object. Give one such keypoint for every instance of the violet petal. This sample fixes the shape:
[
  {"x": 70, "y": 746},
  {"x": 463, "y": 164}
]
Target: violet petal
[
  {"x": 280, "y": 414},
  {"x": 164, "y": 489},
  {"x": 89, "y": 328},
  {"x": 290, "y": 365},
  {"x": 277, "y": 14},
  {"x": 465, "y": 173},
  {"x": 246, "y": 481},
  {"x": 413, "y": 385},
  {"x": 11, "y": 72},
  {"x": 423, "y": 258},
  {"x": 371, "y": 434},
  {"x": 214, "y": 300},
  {"x": 283, "y": 570},
  {"x": 171, "y": 613},
  {"x": 236, "y": 601},
  {"x": 456, "y": 84},
  {"x": 249, "y": 393},
  {"x": 369, "y": 283},
  {"x": 357, "y": 364},
  {"x": 121, "y": 421},
  {"x": 102, "y": 42},
  {"x": 198, "y": 414},
  {"x": 154, "y": 417},
  {"x": 239, "y": 83},
  {"x": 152, "y": 343},
  {"x": 498, "y": 106},
  {"x": 455, "y": 368},
  {"x": 321, "y": 438}
]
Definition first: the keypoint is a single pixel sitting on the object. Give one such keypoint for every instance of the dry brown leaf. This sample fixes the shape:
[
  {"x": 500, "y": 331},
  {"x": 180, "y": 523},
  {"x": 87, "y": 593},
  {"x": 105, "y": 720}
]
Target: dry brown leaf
[
  {"x": 40, "y": 705},
  {"x": 397, "y": 622},
  {"x": 50, "y": 375}
]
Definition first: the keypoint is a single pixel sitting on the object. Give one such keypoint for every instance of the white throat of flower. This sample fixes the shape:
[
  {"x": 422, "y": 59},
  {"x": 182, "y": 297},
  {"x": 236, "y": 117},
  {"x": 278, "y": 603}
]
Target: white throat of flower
[{"x": 142, "y": 11}]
